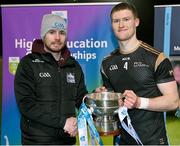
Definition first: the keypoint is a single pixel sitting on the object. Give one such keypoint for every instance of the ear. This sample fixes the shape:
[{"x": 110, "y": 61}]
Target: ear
[{"x": 137, "y": 21}]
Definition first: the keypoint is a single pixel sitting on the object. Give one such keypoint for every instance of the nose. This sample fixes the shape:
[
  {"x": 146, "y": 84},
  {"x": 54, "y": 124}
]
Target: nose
[
  {"x": 57, "y": 36},
  {"x": 121, "y": 23}
]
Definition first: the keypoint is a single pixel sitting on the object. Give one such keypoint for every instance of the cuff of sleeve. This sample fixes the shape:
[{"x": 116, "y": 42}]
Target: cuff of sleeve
[{"x": 62, "y": 122}]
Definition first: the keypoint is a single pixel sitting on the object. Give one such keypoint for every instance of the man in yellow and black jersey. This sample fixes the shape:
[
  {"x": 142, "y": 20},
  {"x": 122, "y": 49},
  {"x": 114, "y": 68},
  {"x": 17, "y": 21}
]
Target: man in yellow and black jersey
[{"x": 144, "y": 76}]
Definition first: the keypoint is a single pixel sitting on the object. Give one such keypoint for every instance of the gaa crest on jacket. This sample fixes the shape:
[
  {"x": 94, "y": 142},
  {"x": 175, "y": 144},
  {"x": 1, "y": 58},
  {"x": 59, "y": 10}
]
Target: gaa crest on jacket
[{"x": 70, "y": 77}]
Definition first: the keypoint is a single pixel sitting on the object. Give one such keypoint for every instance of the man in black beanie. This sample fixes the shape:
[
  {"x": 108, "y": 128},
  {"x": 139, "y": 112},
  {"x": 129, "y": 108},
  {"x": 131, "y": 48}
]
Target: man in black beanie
[{"x": 49, "y": 85}]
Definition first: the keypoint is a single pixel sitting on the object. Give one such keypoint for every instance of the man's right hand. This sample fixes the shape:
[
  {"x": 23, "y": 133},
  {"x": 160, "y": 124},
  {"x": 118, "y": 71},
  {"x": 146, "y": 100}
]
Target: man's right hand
[{"x": 71, "y": 126}]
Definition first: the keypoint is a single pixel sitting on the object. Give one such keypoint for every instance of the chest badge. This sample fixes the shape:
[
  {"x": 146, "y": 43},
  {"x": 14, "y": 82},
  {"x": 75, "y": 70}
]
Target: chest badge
[{"x": 70, "y": 77}]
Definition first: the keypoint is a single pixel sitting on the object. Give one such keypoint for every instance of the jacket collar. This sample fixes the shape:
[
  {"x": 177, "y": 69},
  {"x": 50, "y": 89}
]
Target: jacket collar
[{"x": 38, "y": 47}]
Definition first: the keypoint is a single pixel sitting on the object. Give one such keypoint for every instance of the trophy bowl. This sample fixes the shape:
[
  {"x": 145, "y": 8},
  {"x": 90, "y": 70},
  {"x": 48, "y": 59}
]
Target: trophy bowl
[{"x": 104, "y": 107}]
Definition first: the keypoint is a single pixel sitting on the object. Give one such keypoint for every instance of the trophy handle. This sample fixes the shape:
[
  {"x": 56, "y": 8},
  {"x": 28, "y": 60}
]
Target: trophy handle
[
  {"x": 92, "y": 105},
  {"x": 84, "y": 98}
]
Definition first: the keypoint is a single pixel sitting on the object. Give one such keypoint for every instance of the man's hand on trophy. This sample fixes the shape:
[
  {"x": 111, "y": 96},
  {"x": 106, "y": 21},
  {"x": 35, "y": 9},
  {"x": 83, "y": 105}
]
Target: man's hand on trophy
[
  {"x": 101, "y": 89},
  {"x": 131, "y": 99},
  {"x": 71, "y": 126},
  {"x": 121, "y": 101}
]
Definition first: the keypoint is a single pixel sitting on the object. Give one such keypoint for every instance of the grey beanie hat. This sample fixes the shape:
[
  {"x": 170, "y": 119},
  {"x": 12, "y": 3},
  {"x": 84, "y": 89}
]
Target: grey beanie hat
[{"x": 52, "y": 21}]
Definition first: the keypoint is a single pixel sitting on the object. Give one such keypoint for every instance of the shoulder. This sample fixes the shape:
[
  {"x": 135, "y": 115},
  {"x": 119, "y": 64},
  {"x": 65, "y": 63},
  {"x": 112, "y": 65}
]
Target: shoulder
[
  {"x": 25, "y": 64},
  {"x": 151, "y": 52},
  {"x": 111, "y": 55},
  {"x": 32, "y": 57},
  {"x": 153, "y": 55},
  {"x": 72, "y": 59},
  {"x": 150, "y": 49},
  {"x": 75, "y": 62}
]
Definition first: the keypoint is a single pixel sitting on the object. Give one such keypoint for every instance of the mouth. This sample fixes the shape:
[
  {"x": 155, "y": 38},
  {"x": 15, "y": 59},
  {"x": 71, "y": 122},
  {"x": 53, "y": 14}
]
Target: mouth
[
  {"x": 122, "y": 30},
  {"x": 57, "y": 44}
]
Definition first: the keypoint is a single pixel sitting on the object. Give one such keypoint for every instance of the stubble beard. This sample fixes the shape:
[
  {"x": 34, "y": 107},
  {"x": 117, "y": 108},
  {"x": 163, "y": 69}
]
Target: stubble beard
[
  {"x": 53, "y": 50},
  {"x": 125, "y": 37}
]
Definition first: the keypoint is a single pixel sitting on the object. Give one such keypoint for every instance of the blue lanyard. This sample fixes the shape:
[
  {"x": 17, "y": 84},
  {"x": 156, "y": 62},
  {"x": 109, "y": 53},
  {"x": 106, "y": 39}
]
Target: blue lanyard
[
  {"x": 122, "y": 113},
  {"x": 84, "y": 113}
]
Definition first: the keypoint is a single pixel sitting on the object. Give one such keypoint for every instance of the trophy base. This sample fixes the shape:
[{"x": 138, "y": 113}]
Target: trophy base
[
  {"x": 107, "y": 125},
  {"x": 111, "y": 133}
]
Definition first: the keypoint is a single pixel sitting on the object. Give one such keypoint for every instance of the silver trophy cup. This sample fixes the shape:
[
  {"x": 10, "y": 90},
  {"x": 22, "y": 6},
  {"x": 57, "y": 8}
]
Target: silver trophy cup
[{"x": 104, "y": 107}]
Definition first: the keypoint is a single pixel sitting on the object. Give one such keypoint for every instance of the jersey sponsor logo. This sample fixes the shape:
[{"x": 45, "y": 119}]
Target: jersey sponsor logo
[
  {"x": 37, "y": 61},
  {"x": 126, "y": 58},
  {"x": 44, "y": 75},
  {"x": 113, "y": 67},
  {"x": 140, "y": 64},
  {"x": 70, "y": 77}
]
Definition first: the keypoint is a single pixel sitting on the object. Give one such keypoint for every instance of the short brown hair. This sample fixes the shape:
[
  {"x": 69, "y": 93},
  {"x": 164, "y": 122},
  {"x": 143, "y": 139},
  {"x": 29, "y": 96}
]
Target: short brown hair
[{"x": 124, "y": 6}]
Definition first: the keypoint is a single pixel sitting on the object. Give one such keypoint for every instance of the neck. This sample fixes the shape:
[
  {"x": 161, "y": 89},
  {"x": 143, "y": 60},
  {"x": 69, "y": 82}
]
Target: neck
[
  {"x": 129, "y": 45},
  {"x": 56, "y": 55}
]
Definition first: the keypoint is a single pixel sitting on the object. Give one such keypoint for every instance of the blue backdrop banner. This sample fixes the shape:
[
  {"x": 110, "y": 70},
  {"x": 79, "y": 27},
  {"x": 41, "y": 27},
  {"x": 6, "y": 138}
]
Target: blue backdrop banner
[
  {"x": 166, "y": 34},
  {"x": 89, "y": 38}
]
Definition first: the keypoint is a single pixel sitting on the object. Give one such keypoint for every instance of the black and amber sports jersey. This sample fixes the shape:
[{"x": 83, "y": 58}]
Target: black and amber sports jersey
[{"x": 140, "y": 71}]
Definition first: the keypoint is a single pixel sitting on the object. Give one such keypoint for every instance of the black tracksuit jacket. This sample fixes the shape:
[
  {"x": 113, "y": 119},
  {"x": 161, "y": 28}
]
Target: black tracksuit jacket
[{"x": 47, "y": 93}]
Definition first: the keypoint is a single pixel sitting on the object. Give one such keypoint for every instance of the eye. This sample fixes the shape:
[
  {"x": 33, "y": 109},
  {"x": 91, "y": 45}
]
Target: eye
[
  {"x": 126, "y": 19},
  {"x": 62, "y": 32},
  {"x": 115, "y": 20},
  {"x": 51, "y": 31}
]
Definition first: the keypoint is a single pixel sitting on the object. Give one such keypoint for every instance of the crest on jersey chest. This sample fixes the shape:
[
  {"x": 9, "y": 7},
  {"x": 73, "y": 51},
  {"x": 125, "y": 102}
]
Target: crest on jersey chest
[{"x": 113, "y": 67}]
